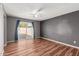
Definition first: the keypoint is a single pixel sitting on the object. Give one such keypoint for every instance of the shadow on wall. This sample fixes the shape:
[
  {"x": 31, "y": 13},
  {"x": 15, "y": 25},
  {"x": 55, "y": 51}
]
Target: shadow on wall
[{"x": 63, "y": 28}]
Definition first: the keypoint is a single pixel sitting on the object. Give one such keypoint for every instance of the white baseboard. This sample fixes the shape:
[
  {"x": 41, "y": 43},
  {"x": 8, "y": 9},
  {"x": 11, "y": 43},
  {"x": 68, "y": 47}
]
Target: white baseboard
[
  {"x": 5, "y": 44},
  {"x": 60, "y": 42},
  {"x": 37, "y": 37},
  {"x": 2, "y": 52},
  {"x": 10, "y": 41}
]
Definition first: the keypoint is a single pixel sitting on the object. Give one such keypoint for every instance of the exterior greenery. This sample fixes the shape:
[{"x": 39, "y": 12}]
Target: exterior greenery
[{"x": 24, "y": 25}]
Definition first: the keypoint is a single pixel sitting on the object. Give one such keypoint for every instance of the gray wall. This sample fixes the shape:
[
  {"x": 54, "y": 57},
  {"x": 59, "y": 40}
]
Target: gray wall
[
  {"x": 11, "y": 25},
  {"x": 5, "y": 29},
  {"x": 64, "y": 28},
  {"x": 37, "y": 29}
]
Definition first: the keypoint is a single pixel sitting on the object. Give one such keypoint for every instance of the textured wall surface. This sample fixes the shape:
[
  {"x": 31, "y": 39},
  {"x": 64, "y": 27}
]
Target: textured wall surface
[{"x": 64, "y": 28}]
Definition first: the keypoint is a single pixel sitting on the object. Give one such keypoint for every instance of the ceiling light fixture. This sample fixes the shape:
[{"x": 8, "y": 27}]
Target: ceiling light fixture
[
  {"x": 36, "y": 15},
  {"x": 36, "y": 12}
]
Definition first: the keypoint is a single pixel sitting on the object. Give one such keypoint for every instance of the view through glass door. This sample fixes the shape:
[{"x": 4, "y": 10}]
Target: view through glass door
[{"x": 25, "y": 30}]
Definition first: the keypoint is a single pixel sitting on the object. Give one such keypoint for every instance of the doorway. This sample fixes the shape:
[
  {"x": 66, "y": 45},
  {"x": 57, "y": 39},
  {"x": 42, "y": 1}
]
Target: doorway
[{"x": 25, "y": 30}]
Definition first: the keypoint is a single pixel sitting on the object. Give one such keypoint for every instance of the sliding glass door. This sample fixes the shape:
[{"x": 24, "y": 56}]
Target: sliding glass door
[{"x": 25, "y": 30}]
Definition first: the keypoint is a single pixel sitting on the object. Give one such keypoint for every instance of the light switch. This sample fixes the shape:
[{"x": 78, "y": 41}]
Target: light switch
[{"x": 74, "y": 41}]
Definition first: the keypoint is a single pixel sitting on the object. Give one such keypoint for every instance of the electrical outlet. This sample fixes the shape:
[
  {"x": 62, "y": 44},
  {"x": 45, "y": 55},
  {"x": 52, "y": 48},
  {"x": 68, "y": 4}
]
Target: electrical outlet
[{"x": 74, "y": 41}]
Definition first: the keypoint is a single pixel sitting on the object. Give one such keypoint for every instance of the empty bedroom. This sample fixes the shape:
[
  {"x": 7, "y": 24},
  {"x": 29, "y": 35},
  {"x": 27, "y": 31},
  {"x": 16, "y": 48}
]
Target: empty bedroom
[{"x": 39, "y": 29}]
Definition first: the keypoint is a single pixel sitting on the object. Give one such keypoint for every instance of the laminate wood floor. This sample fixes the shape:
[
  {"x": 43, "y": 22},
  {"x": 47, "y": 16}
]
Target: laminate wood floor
[{"x": 39, "y": 47}]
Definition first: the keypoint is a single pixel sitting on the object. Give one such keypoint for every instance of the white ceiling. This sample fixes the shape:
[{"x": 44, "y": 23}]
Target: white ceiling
[{"x": 48, "y": 10}]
